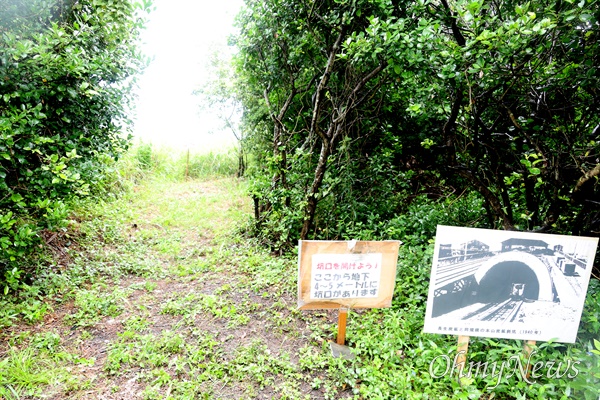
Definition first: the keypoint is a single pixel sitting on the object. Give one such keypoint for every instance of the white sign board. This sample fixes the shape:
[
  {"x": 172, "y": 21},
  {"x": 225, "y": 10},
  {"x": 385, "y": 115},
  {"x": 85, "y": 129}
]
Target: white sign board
[
  {"x": 508, "y": 284},
  {"x": 339, "y": 276}
]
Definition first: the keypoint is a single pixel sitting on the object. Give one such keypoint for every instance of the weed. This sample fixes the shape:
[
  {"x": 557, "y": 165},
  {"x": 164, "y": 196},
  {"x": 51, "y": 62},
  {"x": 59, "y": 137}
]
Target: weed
[
  {"x": 85, "y": 335},
  {"x": 94, "y": 304},
  {"x": 191, "y": 269},
  {"x": 136, "y": 323},
  {"x": 30, "y": 373},
  {"x": 48, "y": 341},
  {"x": 238, "y": 319}
]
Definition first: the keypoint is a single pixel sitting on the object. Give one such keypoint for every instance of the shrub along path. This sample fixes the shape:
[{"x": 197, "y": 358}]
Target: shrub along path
[{"x": 156, "y": 298}]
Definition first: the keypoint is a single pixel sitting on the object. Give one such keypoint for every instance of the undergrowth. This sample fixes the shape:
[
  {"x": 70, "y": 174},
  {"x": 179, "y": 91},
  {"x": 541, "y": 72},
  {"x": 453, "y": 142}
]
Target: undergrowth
[{"x": 166, "y": 293}]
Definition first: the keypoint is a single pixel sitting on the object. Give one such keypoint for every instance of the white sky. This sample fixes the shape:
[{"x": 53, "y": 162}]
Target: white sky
[{"x": 180, "y": 36}]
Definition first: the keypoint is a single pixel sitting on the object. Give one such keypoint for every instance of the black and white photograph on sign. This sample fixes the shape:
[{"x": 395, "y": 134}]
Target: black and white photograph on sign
[{"x": 508, "y": 284}]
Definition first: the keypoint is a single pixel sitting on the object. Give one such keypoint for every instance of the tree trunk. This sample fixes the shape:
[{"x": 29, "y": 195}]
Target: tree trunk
[
  {"x": 311, "y": 205},
  {"x": 241, "y": 163},
  {"x": 494, "y": 203}
]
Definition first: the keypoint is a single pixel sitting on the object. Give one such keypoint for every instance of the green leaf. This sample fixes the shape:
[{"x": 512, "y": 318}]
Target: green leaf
[{"x": 16, "y": 197}]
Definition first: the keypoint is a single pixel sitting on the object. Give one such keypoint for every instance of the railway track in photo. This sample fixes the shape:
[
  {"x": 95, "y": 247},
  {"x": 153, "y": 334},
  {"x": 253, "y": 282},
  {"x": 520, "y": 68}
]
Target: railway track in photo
[{"x": 505, "y": 311}]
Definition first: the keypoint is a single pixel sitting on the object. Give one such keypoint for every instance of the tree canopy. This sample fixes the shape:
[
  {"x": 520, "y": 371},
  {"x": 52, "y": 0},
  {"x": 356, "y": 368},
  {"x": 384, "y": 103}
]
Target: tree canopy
[{"x": 355, "y": 109}]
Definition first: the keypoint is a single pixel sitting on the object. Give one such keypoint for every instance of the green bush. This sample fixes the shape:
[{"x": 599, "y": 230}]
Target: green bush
[
  {"x": 66, "y": 70},
  {"x": 143, "y": 156}
]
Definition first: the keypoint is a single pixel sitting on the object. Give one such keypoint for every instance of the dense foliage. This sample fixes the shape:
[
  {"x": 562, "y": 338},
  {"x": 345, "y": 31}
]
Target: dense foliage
[
  {"x": 66, "y": 68},
  {"x": 379, "y": 119},
  {"x": 358, "y": 107}
]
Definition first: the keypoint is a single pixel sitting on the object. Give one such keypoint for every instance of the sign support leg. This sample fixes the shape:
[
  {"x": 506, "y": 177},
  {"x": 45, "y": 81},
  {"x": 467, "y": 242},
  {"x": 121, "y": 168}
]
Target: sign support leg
[
  {"x": 187, "y": 164},
  {"x": 527, "y": 349},
  {"x": 462, "y": 349},
  {"x": 342, "y": 317}
]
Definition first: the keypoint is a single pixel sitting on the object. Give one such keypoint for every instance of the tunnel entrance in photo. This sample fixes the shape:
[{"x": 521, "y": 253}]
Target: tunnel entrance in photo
[{"x": 508, "y": 279}]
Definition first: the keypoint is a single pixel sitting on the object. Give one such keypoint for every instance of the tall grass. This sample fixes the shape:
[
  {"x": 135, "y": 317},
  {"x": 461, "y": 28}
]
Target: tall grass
[
  {"x": 27, "y": 373},
  {"x": 145, "y": 159},
  {"x": 107, "y": 180}
]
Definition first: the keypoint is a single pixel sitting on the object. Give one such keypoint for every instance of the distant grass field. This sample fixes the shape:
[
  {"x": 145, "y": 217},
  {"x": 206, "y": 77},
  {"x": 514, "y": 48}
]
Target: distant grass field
[{"x": 173, "y": 164}]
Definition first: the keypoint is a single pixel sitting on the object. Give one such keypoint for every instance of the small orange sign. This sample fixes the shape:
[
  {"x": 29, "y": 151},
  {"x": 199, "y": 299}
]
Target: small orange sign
[{"x": 352, "y": 274}]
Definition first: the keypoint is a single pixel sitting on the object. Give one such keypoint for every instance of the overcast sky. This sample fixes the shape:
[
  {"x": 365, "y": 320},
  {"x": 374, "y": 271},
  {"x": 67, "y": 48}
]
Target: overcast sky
[{"x": 180, "y": 36}]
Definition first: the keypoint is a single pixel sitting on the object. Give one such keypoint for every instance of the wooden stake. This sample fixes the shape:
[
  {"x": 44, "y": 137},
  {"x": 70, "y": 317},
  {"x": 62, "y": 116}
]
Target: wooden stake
[
  {"x": 527, "y": 349},
  {"x": 342, "y": 317},
  {"x": 187, "y": 164},
  {"x": 463, "y": 346}
]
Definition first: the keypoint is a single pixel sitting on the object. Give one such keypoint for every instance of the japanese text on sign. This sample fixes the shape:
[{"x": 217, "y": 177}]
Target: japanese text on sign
[{"x": 339, "y": 276}]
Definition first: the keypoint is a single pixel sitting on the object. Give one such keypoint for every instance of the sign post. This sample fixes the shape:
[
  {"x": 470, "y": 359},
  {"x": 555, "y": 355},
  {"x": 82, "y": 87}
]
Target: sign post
[
  {"x": 342, "y": 318},
  {"x": 527, "y": 349},
  {"x": 462, "y": 350}
]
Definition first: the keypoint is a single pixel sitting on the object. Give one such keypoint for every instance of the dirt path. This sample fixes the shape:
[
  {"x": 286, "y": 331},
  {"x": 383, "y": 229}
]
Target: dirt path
[{"x": 172, "y": 305}]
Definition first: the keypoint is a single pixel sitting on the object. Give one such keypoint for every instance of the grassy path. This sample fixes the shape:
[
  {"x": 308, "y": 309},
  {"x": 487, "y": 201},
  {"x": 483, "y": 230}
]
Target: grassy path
[{"x": 157, "y": 299}]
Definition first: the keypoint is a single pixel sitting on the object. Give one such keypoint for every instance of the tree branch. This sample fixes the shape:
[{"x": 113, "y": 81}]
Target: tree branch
[
  {"x": 357, "y": 89},
  {"x": 489, "y": 196},
  {"x": 458, "y": 36},
  {"x": 586, "y": 177},
  {"x": 314, "y": 123}
]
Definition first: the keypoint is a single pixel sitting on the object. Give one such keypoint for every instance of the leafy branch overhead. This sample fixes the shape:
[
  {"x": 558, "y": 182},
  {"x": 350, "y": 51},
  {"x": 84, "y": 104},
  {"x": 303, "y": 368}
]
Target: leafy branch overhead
[{"x": 347, "y": 100}]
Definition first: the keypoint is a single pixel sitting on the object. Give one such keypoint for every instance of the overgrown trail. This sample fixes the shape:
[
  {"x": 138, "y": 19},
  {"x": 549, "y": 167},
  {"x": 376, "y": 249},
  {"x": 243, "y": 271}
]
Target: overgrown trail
[
  {"x": 161, "y": 300},
  {"x": 156, "y": 295}
]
